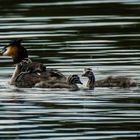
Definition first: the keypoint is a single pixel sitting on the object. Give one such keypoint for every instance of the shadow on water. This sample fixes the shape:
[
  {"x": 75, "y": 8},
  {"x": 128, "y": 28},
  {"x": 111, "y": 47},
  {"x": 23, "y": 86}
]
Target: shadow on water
[{"x": 69, "y": 36}]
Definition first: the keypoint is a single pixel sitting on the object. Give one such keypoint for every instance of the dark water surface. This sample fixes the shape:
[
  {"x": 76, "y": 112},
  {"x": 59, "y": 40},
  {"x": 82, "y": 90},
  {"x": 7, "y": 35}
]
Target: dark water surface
[{"x": 70, "y": 35}]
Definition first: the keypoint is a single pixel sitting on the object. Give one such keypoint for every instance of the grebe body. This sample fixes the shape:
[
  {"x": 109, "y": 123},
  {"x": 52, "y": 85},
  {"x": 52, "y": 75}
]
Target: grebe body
[{"x": 28, "y": 73}]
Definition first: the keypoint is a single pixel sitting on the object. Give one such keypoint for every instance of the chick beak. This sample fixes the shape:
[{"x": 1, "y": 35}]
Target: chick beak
[{"x": 80, "y": 82}]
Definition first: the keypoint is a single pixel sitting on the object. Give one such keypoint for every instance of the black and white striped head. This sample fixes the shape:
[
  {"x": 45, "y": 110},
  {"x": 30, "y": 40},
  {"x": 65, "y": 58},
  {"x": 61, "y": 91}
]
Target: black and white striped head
[
  {"x": 74, "y": 79},
  {"x": 88, "y": 73}
]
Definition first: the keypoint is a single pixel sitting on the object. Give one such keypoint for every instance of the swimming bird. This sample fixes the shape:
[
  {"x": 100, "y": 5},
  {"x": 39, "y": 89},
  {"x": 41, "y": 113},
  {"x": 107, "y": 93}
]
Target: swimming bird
[
  {"x": 110, "y": 81},
  {"x": 27, "y": 73},
  {"x": 91, "y": 78},
  {"x": 70, "y": 83}
]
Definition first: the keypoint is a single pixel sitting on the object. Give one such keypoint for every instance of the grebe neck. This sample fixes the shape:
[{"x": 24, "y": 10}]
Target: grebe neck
[{"x": 91, "y": 82}]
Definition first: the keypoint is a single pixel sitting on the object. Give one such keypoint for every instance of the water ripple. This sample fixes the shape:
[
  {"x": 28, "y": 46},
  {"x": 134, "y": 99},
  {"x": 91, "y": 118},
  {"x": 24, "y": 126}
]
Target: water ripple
[{"x": 71, "y": 36}]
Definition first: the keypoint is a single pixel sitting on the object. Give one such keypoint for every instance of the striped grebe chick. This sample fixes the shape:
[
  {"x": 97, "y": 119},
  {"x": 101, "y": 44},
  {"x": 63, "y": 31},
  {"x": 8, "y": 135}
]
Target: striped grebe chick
[
  {"x": 91, "y": 78},
  {"x": 110, "y": 81}
]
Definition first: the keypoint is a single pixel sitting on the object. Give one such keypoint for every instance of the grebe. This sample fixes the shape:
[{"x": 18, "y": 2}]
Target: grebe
[
  {"x": 110, "y": 81},
  {"x": 27, "y": 73},
  {"x": 70, "y": 83},
  {"x": 89, "y": 73}
]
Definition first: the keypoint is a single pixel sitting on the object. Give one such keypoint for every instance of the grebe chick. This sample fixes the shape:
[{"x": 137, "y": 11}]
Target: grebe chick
[
  {"x": 116, "y": 81},
  {"x": 70, "y": 83},
  {"x": 110, "y": 81},
  {"x": 25, "y": 68},
  {"x": 89, "y": 73}
]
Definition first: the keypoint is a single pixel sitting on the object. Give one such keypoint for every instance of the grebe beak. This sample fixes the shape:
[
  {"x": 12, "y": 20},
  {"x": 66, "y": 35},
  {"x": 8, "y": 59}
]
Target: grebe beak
[{"x": 2, "y": 51}]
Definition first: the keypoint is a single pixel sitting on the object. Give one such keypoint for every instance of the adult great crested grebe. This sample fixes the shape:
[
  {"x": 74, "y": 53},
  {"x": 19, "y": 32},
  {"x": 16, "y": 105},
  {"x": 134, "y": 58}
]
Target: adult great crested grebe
[
  {"x": 28, "y": 73},
  {"x": 70, "y": 83},
  {"x": 110, "y": 81}
]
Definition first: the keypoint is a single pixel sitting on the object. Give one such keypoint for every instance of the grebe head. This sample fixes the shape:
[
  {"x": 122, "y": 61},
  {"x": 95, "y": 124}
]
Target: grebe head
[
  {"x": 88, "y": 73},
  {"x": 74, "y": 79},
  {"x": 15, "y": 50}
]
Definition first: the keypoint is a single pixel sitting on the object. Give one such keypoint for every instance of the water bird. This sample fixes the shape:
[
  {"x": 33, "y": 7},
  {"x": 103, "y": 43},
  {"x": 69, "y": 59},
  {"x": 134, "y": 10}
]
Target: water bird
[
  {"x": 91, "y": 78},
  {"x": 110, "y": 81},
  {"x": 28, "y": 73},
  {"x": 70, "y": 83}
]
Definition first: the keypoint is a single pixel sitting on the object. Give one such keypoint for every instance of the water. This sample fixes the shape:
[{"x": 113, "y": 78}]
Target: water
[{"x": 69, "y": 36}]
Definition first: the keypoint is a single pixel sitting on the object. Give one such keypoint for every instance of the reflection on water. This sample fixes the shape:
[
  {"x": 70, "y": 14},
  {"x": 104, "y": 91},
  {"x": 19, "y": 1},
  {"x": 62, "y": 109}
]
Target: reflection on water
[{"x": 69, "y": 36}]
